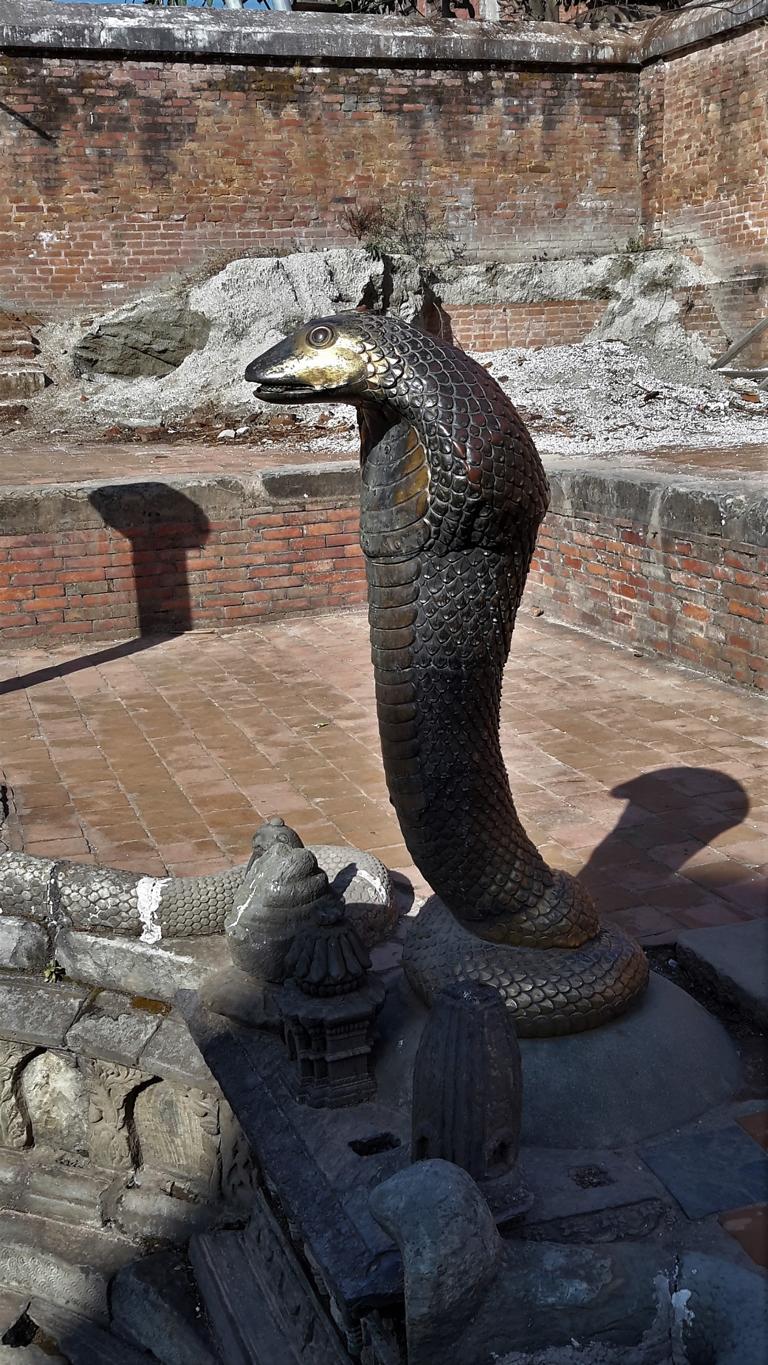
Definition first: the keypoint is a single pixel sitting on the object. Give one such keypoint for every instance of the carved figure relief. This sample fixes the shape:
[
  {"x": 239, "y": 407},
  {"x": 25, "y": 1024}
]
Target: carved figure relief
[
  {"x": 55, "y": 1098},
  {"x": 15, "y": 1129}
]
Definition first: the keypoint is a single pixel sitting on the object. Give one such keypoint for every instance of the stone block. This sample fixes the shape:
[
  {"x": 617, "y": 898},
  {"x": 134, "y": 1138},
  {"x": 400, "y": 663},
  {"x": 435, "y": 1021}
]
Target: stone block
[
  {"x": 155, "y": 970},
  {"x": 732, "y": 961},
  {"x": 83, "y": 1342},
  {"x": 155, "y": 1304},
  {"x": 70, "y": 1265},
  {"x": 707, "y": 1172},
  {"x": 24, "y": 946},
  {"x": 32, "y": 1013},
  {"x": 172, "y": 1053},
  {"x": 112, "y": 1029},
  {"x": 178, "y": 1131}
]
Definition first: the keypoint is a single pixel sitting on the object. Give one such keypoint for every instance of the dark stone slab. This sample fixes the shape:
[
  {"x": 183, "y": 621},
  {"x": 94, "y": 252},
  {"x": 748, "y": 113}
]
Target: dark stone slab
[
  {"x": 732, "y": 961},
  {"x": 81, "y": 1340},
  {"x": 261, "y": 1305},
  {"x": 173, "y": 1054},
  {"x": 155, "y": 1306},
  {"x": 707, "y": 1172},
  {"x": 320, "y": 1164}
]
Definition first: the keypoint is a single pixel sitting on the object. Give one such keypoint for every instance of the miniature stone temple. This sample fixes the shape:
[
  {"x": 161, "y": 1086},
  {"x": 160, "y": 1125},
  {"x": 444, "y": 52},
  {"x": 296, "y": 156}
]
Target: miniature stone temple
[{"x": 328, "y": 1005}]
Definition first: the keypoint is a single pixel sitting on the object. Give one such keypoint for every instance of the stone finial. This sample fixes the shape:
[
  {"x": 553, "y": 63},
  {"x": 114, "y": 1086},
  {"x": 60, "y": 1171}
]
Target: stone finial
[
  {"x": 278, "y": 896},
  {"x": 467, "y": 1093},
  {"x": 326, "y": 957},
  {"x": 273, "y": 831}
]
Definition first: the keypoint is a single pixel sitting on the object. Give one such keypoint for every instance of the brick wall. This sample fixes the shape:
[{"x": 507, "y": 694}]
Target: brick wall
[
  {"x": 208, "y": 557},
  {"x": 159, "y": 575},
  {"x": 704, "y": 154},
  {"x": 120, "y": 172},
  {"x": 488, "y": 326},
  {"x": 699, "y": 599}
]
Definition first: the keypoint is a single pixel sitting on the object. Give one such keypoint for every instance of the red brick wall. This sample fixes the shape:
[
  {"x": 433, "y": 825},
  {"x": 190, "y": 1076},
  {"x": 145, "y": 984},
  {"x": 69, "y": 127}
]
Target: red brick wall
[
  {"x": 100, "y": 582},
  {"x": 140, "y": 167},
  {"x": 704, "y": 151},
  {"x": 488, "y": 326},
  {"x": 699, "y": 601}
]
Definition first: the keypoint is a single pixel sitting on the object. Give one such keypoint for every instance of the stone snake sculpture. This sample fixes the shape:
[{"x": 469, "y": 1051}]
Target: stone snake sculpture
[{"x": 453, "y": 493}]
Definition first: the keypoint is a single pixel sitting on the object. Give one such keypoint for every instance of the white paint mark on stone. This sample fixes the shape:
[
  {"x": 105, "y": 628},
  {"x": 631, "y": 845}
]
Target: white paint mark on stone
[
  {"x": 375, "y": 882},
  {"x": 682, "y": 1313},
  {"x": 149, "y": 893}
]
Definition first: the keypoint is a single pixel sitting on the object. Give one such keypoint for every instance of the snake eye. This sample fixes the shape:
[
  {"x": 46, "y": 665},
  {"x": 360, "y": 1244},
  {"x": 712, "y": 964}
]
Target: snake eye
[{"x": 320, "y": 336}]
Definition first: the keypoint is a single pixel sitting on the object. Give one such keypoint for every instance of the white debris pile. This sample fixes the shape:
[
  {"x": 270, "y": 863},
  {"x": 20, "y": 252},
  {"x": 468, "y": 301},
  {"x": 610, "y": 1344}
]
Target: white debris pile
[{"x": 598, "y": 397}]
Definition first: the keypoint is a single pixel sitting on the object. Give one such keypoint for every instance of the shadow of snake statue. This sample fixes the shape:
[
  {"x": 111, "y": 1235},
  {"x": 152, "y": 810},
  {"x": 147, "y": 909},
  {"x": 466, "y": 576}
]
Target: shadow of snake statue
[{"x": 453, "y": 493}]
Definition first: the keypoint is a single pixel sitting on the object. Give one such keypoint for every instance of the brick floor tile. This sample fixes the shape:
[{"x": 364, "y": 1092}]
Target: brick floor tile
[
  {"x": 207, "y": 733},
  {"x": 749, "y": 1226},
  {"x": 757, "y": 1126}
]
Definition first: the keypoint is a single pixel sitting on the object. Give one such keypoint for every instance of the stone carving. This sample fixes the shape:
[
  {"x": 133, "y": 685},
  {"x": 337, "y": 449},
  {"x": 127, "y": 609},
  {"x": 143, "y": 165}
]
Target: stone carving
[
  {"x": 287, "y": 1293},
  {"x": 451, "y": 1253},
  {"x": 55, "y": 1098},
  {"x": 110, "y": 1086},
  {"x": 104, "y": 900},
  {"x": 328, "y": 1007},
  {"x": 15, "y": 1129},
  {"x": 177, "y": 1132},
  {"x": 239, "y": 1172},
  {"x": 453, "y": 492},
  {"x": 278, "y": 896},
  {"x": 467, "y": 1093}
]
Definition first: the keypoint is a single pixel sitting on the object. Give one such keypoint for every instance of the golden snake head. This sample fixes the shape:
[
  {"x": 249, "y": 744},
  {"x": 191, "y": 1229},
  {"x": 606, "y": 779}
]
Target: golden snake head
[{"x": 323, "y": 361}]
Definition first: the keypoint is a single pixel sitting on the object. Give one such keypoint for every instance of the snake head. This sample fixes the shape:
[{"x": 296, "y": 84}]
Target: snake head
[{"x": 323, "y": 361}]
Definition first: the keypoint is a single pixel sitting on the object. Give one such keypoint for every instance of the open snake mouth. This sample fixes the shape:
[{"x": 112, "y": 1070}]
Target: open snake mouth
[{"x": 289, "y": 390}]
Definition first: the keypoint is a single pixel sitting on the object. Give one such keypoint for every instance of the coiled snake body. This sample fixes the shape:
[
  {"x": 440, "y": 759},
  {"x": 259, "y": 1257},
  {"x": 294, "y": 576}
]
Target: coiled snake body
[{"x": 453, "y": 493}]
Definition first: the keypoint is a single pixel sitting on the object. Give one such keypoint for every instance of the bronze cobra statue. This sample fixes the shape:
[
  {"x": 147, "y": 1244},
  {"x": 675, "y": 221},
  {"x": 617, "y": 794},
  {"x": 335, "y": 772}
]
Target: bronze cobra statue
[{"x": 453, "y": 493}]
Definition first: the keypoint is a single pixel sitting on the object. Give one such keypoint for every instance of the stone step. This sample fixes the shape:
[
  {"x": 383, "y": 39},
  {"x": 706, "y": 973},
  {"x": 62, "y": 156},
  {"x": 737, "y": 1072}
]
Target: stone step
[
  {"x": 71, "y": 1266},
  {"x": 81, "y": 1341},
  {"x": 64, "y": 1194},
  {"x": 19, "y": 381},
  {"x": 156, "y": 1306},
  {"x": 260, "y": 1306}
]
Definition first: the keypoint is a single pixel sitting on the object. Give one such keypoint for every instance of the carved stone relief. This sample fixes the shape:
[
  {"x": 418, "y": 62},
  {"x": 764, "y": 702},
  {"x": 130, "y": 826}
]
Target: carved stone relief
[
  {"x": 110, "y": 1087},
  {"x": 15, "y": 1129},
  {"x": 239, "y": 1173},
  {"x": 55, "y": 1098},
  {"x": 177, "y": 1131}
]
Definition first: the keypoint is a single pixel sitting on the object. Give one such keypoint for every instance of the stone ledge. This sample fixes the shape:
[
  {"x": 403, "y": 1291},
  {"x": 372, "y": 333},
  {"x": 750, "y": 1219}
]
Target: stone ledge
[
  {"x": 733, "y": 510},
  {"x": 275, "y": 37},
  {"x": 70, "y": 506},
  {"x": 730, "y": 508}
]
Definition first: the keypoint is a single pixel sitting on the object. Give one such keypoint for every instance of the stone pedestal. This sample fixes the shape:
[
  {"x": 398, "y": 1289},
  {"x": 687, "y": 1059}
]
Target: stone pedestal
[{"x": 660, "y": 1065}]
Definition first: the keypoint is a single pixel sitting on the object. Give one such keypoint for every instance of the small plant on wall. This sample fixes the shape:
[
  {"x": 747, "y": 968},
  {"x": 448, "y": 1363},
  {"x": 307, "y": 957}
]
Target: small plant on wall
[{"x": 406, "y": 228}]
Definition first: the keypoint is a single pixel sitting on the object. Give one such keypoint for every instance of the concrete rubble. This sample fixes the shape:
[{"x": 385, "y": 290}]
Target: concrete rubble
[{"x": 639, "y": 381}]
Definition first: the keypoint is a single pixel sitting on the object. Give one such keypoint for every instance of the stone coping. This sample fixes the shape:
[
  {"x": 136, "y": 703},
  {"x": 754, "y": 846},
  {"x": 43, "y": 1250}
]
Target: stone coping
[
  {"x": 102, "y": 1024},
  {"x": 353, "y": 40},
  {"x": 733, "y": 507}
]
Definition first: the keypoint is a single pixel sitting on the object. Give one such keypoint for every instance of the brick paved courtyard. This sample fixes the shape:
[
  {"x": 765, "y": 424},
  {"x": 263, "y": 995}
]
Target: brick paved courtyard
[{"x": 163, "y": 755}]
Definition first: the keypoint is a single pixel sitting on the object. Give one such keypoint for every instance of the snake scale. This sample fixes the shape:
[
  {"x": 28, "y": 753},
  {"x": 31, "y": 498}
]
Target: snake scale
[{"x": 453, "y": 493}]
